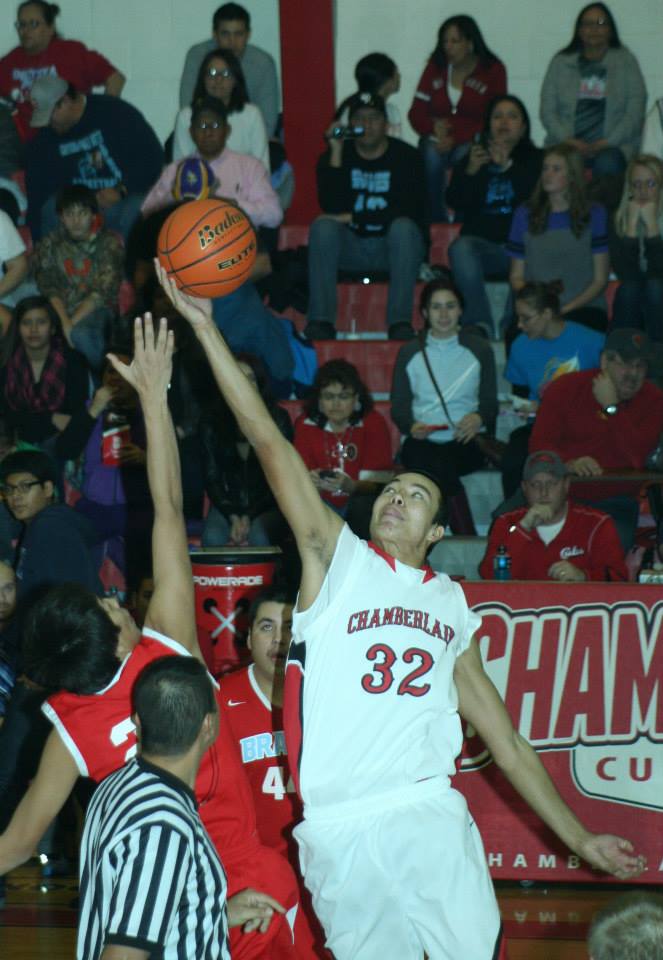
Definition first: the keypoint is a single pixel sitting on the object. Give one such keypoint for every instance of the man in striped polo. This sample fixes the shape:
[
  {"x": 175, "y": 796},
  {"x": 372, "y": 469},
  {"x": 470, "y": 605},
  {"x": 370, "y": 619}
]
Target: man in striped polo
[{"x": 150, "y": 879}]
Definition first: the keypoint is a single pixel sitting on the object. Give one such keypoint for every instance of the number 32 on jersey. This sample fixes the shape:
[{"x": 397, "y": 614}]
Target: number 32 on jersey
[{"x": 385, "y": 661}]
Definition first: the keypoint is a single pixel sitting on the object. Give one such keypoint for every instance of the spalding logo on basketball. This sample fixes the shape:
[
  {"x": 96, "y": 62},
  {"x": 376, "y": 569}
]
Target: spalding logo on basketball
[{"x": 208, "y": 247}]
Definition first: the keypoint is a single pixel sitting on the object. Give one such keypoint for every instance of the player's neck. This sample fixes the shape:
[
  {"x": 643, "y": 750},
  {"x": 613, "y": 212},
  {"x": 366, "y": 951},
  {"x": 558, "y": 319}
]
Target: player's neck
[
  {"x": 270, "y": 687},
  {"x": 412, "y": 555}
]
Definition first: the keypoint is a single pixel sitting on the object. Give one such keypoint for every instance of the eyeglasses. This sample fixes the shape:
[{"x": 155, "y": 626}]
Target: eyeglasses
[
  {"x": 208, "y": 125},
  {"x": 329, "y": 397},
  {"x": 643, "y": 183},
  {"x": 601, "y": 22},
  {"x": 225, "y": 73},
  {"x": 29, "y": 24},
  {"x": 9, "y": 489}
]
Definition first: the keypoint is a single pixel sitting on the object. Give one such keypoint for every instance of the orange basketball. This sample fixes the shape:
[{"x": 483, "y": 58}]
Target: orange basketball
[{"x": 208, "y": 247}]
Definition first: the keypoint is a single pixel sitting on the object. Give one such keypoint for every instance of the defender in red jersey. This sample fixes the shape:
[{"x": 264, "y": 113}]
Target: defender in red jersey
[
  {"x": 388, "y": 849},
  {"x": 91, "y": 651},
  {"x": 251, "y": 706}
]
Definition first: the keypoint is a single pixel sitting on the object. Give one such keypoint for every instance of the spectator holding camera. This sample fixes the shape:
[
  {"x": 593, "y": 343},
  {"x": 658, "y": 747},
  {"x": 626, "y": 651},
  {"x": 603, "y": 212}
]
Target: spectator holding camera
[
  {"x": 371, "y": 191},
  {"x": 499, "y": 173}
]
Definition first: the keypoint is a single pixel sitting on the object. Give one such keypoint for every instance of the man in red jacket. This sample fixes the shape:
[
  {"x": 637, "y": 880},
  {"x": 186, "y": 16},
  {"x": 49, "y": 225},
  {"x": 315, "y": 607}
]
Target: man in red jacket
[{"x": 553, "y": 538}]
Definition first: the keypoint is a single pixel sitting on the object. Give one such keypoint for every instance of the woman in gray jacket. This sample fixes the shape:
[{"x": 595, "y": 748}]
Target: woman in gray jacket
[{"x": 593, "y": 94}]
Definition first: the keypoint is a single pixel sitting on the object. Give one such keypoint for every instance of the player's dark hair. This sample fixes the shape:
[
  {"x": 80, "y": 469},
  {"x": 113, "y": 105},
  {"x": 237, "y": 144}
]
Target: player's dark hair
[
  {"x": 273, "y": 594},
  {"x": 239, "y": 95},
  {"x": 231, "y": 11},
  {"x": 576, "y": 43},
  {"x": 433, "y": 287},
  {"x": 338, "y": 371},
  {"x": 630, "y": 927},
  {"x": 69, "y": 641},
  {"x": 49, "y": 11},
  {"x": 76, "y": 195},
  {"x": 208, "y": 104},
  {"x": 36, "y": 462},
  {"x": 541, "y": 296},
  {"x": 468, "y": 28},
  {"x": 171, "y": 697}
]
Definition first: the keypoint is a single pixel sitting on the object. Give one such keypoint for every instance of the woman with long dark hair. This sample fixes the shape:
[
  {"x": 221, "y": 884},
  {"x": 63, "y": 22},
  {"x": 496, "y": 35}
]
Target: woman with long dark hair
[
  {"x": 377, "y": 74},
  {"x": 500, "y": 172},
  {"x": 462, "y": 76},
  {"x": 560, "y": 235},
  {"x": 42, "y": 52},
  {"x": 221, "y": 76},
  {"x": 43, "y": 382},
  {"x": 443, "y": 396},
  {"x": 593, "y": 94}
]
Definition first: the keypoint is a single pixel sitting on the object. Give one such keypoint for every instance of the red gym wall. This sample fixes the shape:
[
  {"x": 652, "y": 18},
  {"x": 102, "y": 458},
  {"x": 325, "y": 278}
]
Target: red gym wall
[{"x": 307, "y": 78}]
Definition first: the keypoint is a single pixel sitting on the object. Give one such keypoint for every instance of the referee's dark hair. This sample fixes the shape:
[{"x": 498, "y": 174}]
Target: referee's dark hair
[{"x": 171, "y": 698}]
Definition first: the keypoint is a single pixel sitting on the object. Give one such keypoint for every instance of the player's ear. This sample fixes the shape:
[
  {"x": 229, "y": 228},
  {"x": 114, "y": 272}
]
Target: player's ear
[
  {"x": 435, "y": 533},
  {"x": 135, "y": 719},
  {"x": 210, "y": 728}
]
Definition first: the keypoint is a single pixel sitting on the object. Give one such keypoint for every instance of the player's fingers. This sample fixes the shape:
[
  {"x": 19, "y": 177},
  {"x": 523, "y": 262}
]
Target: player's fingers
[
  {"x": 120, "y": 366},
  {"x": 261, "y": 899}
]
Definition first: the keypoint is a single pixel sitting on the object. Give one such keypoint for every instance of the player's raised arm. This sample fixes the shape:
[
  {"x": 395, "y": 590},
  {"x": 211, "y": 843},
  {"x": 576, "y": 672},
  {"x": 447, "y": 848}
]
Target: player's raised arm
[
  {"x": 481, "y": 705},
  {"x": 171, "y": 609},
  {"x": 315, "y": 526}
]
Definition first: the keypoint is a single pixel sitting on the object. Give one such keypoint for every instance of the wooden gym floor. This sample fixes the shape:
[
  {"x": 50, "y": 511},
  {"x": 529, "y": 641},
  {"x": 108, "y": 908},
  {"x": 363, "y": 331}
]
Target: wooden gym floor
[{"x": 541, "y": 923}]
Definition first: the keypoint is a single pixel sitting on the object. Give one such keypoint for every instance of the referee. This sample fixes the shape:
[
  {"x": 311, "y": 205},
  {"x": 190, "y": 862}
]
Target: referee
[{"x": 151, "y": 881}]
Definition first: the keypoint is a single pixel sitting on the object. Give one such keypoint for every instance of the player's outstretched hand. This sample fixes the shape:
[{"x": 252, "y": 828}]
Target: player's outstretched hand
[
  {"x": 193, "y": 309},
  {"x": 150, "y": 370},
  {"x": 613, "y": 855},
  {"x": 252, "y": 910}
]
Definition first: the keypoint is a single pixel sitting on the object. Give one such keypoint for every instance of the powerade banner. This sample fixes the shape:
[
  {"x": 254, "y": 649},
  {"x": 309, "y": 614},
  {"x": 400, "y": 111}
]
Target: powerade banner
[{"x": 580, "y": 668}]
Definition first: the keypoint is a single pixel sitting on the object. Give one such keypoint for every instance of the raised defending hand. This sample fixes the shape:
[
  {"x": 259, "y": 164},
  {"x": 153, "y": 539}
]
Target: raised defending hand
[
  {"x": 252, "y": 910},
  {"x": 198, "y": 312},
  {"x": 613, "y": 855},
  {"x": 150, "y": 370}
]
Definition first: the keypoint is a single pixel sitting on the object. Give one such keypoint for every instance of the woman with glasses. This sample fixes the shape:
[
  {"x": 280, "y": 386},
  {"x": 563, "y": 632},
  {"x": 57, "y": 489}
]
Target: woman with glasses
[
  {"x": 340, "y": 437},
  {"x": 43, "y": 382},
  {"x": 593, "y": 94},
  {"x": 220, "y": 76},
  {"x": 42, "y": 52},
  {"x": 636, "y": 248}
]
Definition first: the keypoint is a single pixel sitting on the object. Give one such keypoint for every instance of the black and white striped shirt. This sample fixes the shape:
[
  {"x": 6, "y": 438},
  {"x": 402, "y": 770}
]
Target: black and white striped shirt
[{"x": 150, "y": 877}]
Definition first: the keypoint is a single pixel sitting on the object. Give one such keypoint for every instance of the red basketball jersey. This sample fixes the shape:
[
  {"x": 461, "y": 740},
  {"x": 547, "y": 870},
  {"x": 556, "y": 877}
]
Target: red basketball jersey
[
  {"x": 98, "y": 732},
  {"x": 257, "y": 728}
]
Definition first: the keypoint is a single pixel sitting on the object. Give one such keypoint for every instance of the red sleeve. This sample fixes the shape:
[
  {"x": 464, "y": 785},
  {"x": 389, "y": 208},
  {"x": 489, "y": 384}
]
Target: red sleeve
[
  {"x": 94, "y": 69},
  {"x": 605, "y": 556},
  {"x": 497, "y": 82},
  {"x": 303, "y": 441},
  {"x": 420, "y": 114},
  {"x": 377, "y": 454},
  {"x": 548, "y": 430}
]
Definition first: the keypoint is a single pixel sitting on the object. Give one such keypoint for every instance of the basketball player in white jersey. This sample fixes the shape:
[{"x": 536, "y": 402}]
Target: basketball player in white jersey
[{"x": 382, "y": 666}]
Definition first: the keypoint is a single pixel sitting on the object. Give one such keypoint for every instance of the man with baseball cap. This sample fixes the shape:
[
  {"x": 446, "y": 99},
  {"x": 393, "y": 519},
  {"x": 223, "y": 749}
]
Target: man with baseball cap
[
  {"x": 101, "y": 142},
  {"x": 553, "y": 538},
  {"x": 605, "y": 421},
  {"x": 371, "y": 189}
]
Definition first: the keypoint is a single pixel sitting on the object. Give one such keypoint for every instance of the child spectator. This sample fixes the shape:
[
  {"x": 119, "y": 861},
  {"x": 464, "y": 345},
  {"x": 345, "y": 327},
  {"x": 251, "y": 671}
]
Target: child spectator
[{"x": 79, "y": 268}]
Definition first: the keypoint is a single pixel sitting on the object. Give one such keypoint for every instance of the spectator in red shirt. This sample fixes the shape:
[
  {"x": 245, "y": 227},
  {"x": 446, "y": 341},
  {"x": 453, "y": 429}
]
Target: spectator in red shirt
[
  {"x": 340, "y": 437},
  {"x": 553, "y": 538},
  {"x": 40, "y": 53},
  {"x": 460, "y": 79}
]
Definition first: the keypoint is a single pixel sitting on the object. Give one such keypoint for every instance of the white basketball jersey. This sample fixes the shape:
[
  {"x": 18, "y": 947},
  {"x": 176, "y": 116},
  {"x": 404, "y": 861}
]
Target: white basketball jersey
[{"x": 371, "y": 665}]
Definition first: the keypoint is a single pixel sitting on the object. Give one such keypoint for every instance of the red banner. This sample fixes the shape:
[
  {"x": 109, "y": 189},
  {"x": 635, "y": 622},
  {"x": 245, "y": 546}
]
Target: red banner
[{"x": 580, "y": 668}]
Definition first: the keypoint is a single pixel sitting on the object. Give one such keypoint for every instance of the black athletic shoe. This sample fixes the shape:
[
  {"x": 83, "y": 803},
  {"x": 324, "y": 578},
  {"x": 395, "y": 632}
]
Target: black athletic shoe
[
  {"x": 401, "y": 331},
  {"x": 320, "y": 330}
]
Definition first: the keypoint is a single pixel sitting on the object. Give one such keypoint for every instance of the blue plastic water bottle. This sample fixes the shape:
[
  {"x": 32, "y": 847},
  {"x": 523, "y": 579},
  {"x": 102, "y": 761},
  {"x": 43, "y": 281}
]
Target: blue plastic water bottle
[{"x": 502, "y": 564}]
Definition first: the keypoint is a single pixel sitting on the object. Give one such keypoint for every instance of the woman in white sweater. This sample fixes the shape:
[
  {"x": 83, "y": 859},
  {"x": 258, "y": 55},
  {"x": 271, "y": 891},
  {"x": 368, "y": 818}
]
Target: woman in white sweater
[
  {"x": 221, "y": 76},
  {"x": 443, "y": 395}
]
